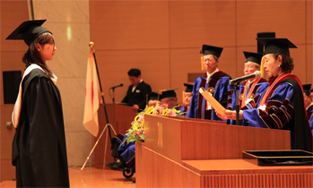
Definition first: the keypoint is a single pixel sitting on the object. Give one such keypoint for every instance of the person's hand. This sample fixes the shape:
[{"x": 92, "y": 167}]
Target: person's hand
[
  {"x": 224, "y": 117},
  {"x": 232, "y": 114},
  {"x": 135, "y": 107}
]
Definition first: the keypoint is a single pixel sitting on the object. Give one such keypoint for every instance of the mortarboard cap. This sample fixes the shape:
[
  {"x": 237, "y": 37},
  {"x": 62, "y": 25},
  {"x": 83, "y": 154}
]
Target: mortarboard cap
[
  {"x": 168, "y": 93},
  {"x": 306, "y": 89},
  {"x": 153, "y": 96},
  {"x": 188, "y": 87},
  {"x": 28, "y": 31},
  {"x": 207, "y": 50},
  {"x": 276, "y": 45},
  {"x": 254, "y": 57}
]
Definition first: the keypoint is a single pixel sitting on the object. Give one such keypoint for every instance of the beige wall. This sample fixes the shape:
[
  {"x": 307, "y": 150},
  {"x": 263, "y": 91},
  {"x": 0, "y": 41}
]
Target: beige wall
[
  {"x": 162, "y": 38},
  {"x": 69, "y": 22}
]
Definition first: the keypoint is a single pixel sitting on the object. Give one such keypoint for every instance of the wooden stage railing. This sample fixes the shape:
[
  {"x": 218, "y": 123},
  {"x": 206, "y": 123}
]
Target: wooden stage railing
[{"x": 182, "y": 152}]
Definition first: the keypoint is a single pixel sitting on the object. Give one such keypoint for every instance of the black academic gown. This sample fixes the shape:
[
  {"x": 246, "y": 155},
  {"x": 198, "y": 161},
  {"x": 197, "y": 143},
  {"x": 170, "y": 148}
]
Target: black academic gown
[
  {"x": 138, "y": 96},
  {"x": 39, "y": 148}
]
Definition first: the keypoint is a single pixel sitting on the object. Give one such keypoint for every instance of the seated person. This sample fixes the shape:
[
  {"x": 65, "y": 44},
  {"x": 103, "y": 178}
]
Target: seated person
[
  {"x": 169, "y": 98},
  {"x": 153, "y": 99},
  {"x": 137, "y": 91},
  {"x": 125, "y": 153},
  {"x": 187, "y": 94}
]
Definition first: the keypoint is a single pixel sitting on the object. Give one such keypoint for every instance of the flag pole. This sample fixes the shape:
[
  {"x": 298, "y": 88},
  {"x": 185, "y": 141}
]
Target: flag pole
[{"x": 108, "y": 125}]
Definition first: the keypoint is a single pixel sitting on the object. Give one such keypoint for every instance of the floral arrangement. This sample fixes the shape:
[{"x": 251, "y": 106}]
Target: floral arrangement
[{"x": 137, "y": 129}]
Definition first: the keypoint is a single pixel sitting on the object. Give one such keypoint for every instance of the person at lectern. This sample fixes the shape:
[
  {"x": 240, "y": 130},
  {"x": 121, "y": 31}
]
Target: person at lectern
[
  {"x": 137, "y": 91},
  {"x": 251, "y": 90},
  {"x": 214, "y": 81},
  {"x": 282, "y": 104},
  {"x": 39, "y": 148}
]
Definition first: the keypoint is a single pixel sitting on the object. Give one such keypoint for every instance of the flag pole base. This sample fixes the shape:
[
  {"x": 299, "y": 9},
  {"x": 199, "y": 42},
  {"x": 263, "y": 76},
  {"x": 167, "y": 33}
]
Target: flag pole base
[{"x": 93, "y": 148}]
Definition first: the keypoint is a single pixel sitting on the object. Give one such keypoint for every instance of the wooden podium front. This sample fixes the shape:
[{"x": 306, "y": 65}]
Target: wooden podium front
[
  {"x": 120, "y": 117},
  {"x": 182, "y": 152}
]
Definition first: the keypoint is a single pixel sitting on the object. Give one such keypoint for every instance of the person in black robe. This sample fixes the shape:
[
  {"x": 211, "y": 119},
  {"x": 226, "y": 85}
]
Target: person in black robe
[
  {"x": 39, "y": 147},
  {"x": 137, "y": 91}
]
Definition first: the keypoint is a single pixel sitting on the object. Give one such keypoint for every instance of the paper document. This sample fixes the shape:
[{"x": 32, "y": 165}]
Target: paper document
[{"x": 215, "y": 104}]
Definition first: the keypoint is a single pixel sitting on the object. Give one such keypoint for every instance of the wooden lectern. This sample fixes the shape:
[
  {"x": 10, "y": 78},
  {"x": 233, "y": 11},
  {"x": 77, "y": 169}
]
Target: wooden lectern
[
  {"x": 120, "y": 117},
  {"x": 183, "y": 152}
]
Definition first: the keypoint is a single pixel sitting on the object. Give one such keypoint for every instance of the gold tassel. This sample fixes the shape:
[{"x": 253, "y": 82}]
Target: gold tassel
[
  {"x": 202, "y": 62},
  {"x": 262, "y": 68}
]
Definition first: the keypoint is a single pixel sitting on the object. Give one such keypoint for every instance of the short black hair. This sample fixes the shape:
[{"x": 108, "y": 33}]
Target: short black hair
[{"x": 134, "y": 72}]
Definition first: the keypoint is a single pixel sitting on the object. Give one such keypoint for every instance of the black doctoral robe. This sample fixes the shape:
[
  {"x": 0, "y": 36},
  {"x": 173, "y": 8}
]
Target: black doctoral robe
[{"x": 39, "y": 148}]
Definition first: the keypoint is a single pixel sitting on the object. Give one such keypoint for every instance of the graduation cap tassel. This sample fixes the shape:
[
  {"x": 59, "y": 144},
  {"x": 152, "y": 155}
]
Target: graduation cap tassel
[
  {"x": 262, "y": 68},
  {"x": 202, "y": 62}
]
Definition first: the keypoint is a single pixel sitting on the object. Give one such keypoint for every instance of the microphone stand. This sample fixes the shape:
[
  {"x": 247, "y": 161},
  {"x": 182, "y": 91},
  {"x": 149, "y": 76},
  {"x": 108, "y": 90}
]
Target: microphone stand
[
  {"x": 113, "y": 95},
  {"x": 237, "y": 103}
]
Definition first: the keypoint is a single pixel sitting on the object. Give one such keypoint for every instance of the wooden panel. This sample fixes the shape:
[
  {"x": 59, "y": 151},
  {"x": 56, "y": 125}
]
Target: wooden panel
[
  {"x": 309, "y": 67},
  {"x": 221, "y": 141},
  {"x": 7, "y": 170},
  {"x": 114, "y": 65},
  {"x": 10, "y": 61},
  {"x": 286, "y": 18},
  {"x": 6, "y": 134},
  {"x": 163, "y": 136},
  {"x": 183, "y": 61},
  {"x": 258, "y": 180},
  {"x": 309, "y": 21},
  {"x": 228, "y": 141},
  {"x": 129, "y": 24},
  {"x": 193, "y": 23},
  {"x": 228, "y": 62},
  {"x": 155, "y": 170},
  {"x": 299, "y": 61},
  {"x": 239, "y": 166},
  {"x": 13, "y": 13}
]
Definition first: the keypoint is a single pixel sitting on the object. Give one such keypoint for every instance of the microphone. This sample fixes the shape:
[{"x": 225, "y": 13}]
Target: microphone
[
  {"x": 256, "y": 74},
  {"x": 116, "y": 86}
]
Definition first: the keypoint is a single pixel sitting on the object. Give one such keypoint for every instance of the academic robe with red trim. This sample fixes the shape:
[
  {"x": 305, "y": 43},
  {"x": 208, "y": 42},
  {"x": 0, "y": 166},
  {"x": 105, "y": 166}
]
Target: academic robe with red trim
[
  {"x": 310, "y": 116},
  {"x": 217, "y": 86},
  {"x": 284, "y": 110},
  {"x": 260, "y": 87},
  {"x": 39, "y": 148}
]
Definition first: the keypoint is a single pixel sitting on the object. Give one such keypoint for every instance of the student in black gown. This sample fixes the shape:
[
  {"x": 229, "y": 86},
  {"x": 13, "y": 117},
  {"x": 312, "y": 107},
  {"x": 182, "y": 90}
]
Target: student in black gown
[{"x": 39, "y": 148}]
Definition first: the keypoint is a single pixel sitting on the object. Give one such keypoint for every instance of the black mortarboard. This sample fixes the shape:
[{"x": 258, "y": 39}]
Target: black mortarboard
[
  {"x": 207, "y": 50},
  {"x": 306, "y": 89},
  {"x": 168, "y": 93},
  {"x": 276, "y": 45},
  {"x": 254, "y": 57},
  {"x": 28, "y": 31},
  {"x": 188, "y": 87},
  {"x": 153, "y": 96}
]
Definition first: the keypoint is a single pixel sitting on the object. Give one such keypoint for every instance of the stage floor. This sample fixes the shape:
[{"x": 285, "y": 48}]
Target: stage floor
[{"x": 92, "y": 177}]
